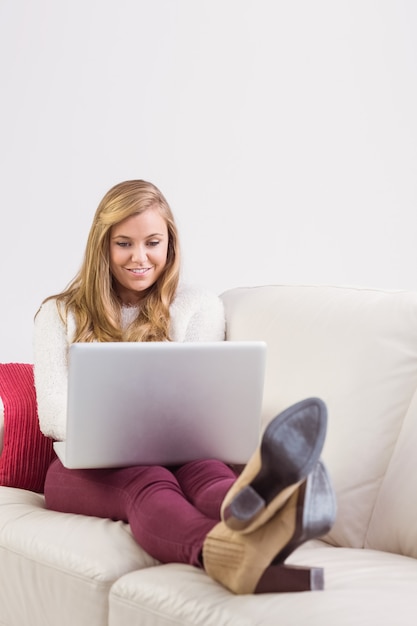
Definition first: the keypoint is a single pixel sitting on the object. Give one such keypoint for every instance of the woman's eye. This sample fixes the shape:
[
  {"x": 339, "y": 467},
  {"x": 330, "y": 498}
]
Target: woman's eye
[
  {"x": 122, "y": 244},
  {"x": 153, "y": 243}
]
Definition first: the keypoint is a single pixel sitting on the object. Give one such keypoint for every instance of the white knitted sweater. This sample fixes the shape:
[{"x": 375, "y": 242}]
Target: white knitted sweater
[{"x": 196, "y": 315}]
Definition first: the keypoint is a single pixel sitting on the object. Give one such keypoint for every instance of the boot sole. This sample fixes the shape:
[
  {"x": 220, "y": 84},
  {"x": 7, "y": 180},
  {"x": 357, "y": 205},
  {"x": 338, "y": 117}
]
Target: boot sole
[
  {"x": 316, "y": 511},
  {"x": 290, "y": 448}
]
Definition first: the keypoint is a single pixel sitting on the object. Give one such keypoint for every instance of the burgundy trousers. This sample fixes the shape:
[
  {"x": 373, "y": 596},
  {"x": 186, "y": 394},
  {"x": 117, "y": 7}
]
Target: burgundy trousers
[{"x": 170, "y": 510}]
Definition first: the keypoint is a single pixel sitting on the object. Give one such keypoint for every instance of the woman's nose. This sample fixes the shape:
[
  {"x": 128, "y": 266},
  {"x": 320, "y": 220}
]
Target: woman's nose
[{"x": 139, "y": 254}]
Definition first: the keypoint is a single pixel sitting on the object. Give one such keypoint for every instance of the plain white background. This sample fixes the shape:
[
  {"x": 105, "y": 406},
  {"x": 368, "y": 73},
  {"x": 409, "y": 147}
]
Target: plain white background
[{"x": 282, "y": 132}]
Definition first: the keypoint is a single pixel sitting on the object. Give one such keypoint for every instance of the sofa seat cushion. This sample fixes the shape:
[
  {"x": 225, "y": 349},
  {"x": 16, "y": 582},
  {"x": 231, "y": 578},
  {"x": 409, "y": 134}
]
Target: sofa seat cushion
[
  {"x": 355, "y": 583},
  {"x": 60, "y": 565}
]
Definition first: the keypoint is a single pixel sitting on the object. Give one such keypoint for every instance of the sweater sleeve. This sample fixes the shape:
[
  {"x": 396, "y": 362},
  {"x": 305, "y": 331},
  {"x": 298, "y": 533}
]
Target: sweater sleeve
[
  {"x": 197, "y": 315},
  {"x": 51, "y": 370}
]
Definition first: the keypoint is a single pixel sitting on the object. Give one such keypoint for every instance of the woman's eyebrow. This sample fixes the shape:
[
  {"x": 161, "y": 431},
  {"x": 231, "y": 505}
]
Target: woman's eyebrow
[{"x": 116, "y": 236}]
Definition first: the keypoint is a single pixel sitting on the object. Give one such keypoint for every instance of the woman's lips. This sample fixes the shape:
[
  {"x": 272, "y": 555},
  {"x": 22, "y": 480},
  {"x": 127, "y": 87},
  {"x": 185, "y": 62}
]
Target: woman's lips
[{"x": 138, "y": 271}]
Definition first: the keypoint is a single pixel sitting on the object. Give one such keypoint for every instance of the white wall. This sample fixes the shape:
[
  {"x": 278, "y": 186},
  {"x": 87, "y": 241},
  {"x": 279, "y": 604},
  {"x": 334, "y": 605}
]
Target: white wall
[{"x": 283, "y": 133}]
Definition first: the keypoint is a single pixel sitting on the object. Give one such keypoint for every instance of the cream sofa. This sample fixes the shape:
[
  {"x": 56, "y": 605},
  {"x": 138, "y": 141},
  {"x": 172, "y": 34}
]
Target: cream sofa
[{"x": 355, "y": 348}]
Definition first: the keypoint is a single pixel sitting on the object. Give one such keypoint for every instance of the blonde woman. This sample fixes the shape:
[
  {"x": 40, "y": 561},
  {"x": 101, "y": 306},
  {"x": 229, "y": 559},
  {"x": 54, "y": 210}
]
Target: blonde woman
[{"x": 239, "y": 528}]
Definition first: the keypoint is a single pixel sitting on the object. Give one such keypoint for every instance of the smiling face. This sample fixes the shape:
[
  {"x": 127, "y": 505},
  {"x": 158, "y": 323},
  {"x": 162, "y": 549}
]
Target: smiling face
[{"x": 138, "y": 254}]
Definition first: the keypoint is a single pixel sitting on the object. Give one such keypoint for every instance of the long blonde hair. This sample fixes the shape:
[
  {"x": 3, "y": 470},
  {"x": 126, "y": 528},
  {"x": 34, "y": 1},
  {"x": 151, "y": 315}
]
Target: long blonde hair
[{"x": 91, "y": 298}]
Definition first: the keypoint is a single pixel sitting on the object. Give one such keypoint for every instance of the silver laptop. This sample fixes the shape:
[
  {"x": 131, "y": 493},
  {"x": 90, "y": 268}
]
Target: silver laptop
[{"x": 162, "y": 403}]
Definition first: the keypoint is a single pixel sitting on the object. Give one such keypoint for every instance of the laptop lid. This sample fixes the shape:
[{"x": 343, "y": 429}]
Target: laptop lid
[{"x": 162, "y": 403}]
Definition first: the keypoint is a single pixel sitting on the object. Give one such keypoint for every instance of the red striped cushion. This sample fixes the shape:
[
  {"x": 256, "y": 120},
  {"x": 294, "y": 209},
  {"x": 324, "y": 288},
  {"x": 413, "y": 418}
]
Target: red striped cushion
[{"x": 27, "y": 453}]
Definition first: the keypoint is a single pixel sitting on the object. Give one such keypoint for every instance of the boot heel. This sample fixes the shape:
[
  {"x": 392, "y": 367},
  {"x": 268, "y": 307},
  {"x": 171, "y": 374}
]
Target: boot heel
[
  {"x": 289, "y": 578},
  {"x": 246, "y": 507}
]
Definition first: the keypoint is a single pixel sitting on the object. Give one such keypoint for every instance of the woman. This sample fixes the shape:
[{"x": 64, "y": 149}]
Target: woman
[{"x": 240, "y": 528}]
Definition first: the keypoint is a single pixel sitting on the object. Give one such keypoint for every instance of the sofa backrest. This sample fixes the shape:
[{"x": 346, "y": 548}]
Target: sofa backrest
[{"x": 357, "y": 350}]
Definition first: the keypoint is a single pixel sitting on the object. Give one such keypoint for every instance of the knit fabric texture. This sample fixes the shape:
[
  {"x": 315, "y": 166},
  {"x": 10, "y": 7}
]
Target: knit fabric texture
[{"x": 26, "y": 453}]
